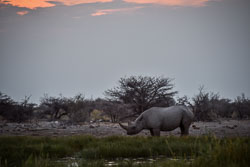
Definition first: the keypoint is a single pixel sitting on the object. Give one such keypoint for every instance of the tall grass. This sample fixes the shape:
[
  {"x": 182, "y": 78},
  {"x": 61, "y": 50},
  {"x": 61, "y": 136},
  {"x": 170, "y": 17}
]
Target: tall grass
[
  {"x": 91, "y": 151},
  {"x": 229, "y": 152}
]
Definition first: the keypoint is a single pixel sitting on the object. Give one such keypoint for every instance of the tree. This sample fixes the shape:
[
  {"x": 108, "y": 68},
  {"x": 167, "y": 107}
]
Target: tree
[
  {"x": 56, "y": 107},
  {"x": 184, "y": 101},
  {"x": 209, "y": 106},
  {"x": 242, "y": 106},
  {"x": 143, "y": 92},
  {"x": 202, "y": 105},
  {"x": 14, "y": 111},
  {"x": 7, "y": 106},
  {"x": 80, "y": 108},
  {"x": 224, "y": 108},
  {"x": 115, "y": 110},
  {"x": 24, "y": 110},
  {"x": 6, "y": 103}
]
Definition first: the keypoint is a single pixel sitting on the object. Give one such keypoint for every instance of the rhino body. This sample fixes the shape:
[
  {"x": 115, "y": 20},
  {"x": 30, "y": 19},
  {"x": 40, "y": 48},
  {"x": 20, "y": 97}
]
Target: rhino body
[{"x": 158, "y": 119}]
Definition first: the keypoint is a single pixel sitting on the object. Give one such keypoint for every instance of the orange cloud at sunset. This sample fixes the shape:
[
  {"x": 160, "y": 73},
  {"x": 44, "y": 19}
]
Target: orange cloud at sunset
[
  {"x": 21, "y": 13},
  {"x": 171, "y": 2},
  {"x": 111, "y": 11},
  {"x": 33, "y": 4},
  {"x": 76, "y": 2},
  {"x": 30, "y": 4}
]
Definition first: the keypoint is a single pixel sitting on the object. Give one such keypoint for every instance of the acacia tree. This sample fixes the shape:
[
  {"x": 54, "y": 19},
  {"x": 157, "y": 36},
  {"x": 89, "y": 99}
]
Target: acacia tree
[
  {"x": 24, "y": 110},
  {"x": 56, "y": 107},
  {"x": 208, "y": 106},
  {"x": 143, "y": 92},
  {"x": 14, "y": 111},
  {"x": 116, "y": 110},
  {"x": 6, "y": 104},
  {"x": 79, "y": 108},
  {"x": 202, "y": 105},
  {"x": 184, "y": 101},
  {"x": 242, "y": 106}
]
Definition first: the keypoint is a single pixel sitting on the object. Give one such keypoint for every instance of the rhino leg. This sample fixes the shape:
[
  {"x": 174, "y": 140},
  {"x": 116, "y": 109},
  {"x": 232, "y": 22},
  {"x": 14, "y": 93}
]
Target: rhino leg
[
  {"x": 155, "y": 132},
  {"x": 184, "y": 128}
]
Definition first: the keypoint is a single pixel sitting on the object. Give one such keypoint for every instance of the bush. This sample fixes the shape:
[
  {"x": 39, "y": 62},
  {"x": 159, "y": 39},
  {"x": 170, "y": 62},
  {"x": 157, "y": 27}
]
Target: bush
[{"x": 14, "y": 111}]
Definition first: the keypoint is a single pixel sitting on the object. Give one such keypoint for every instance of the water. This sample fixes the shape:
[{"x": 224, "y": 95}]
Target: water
[{"x": 75, "y": 162}]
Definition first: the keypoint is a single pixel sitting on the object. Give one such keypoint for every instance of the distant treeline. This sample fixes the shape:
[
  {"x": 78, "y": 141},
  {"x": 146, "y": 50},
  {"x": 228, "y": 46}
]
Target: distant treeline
[{"x": 129, "y": 98}]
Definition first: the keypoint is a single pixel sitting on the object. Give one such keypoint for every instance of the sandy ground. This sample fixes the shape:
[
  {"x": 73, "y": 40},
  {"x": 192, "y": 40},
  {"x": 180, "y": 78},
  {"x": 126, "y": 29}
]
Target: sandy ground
[{"x": 223, "y": 128}]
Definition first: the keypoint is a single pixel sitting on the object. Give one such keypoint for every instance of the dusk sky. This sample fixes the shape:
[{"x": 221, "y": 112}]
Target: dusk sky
[{"x": 85, "y": 46}]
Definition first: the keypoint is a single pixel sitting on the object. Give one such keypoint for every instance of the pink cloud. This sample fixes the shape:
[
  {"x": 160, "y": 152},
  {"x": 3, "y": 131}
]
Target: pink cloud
[
  {"x": 111, "y": 11},
  {"x": 33, "y": 4},
  {"x": 21, "y": 13},
  {"x": 171, "y": 2}
]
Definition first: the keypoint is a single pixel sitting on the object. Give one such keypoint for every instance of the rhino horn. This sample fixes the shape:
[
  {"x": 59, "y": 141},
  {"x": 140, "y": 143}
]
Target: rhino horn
[{"x": 123, "y": 126}]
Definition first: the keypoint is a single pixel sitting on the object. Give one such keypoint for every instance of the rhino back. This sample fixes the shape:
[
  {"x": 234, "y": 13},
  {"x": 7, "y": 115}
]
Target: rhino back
[{"x": 163, "y": 118}]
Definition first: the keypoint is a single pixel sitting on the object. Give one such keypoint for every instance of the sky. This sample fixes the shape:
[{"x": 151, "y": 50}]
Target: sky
[{"x": 85, "y": 46}]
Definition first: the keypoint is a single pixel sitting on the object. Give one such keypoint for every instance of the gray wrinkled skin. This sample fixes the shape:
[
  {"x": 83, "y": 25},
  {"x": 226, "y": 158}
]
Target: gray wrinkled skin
[{"x": 158, "y": 119}]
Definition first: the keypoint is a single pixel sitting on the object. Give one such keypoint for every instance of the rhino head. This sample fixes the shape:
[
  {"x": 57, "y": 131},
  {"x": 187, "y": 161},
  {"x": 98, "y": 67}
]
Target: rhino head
[{"x": 133, "y": 127}]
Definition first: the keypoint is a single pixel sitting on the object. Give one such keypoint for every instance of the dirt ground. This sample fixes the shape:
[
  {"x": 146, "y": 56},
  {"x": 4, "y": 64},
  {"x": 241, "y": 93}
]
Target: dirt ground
[{"x": 223, "y": 128}]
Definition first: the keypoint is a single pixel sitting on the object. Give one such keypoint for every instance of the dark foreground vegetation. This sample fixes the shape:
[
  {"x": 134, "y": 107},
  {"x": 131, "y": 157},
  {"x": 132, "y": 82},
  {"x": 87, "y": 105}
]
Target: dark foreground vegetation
[{"x": 124, "y": 151}]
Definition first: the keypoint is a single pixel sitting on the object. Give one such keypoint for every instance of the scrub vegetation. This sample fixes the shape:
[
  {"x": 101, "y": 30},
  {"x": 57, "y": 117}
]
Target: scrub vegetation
[
  {"x": 124, "y": 151},
  {"x": 128, "y": 99}
]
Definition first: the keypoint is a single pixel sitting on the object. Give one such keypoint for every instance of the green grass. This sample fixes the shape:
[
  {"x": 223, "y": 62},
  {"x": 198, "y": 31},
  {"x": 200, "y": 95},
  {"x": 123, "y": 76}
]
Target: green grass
[{"x": 92, "y": 151}]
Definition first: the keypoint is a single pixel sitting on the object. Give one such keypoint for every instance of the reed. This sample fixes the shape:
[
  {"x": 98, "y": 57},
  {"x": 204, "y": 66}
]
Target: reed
[{"x": 92, "y": 151}]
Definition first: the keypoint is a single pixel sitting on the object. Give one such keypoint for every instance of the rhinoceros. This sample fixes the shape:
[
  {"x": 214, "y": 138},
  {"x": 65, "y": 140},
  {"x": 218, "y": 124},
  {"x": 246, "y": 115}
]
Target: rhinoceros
[{"x": 158, "y": 119}]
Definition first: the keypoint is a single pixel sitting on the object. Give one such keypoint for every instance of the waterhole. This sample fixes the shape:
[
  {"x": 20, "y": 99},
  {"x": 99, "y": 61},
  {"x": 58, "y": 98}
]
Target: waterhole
[{"x": 76, "y": 162}]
